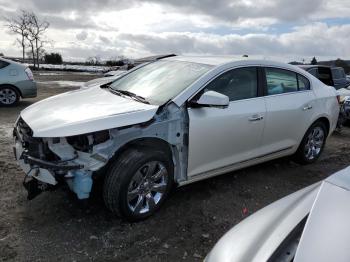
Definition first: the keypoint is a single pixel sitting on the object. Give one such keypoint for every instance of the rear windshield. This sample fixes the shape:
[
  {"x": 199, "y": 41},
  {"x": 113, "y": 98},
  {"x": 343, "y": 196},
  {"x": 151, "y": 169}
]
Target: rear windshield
[
  {"x": 3, "y": 64},
  {"x": 160, "y": 81}
]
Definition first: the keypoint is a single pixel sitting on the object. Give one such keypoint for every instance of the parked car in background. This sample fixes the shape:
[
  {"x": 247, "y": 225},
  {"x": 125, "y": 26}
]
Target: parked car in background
[
  {"x": 339, "y": 78},
  {"x": 332, "y": 76},
  {"x": 16, "y": 81},
  {"x": 173, "y": 122},
  {"x": 309, "y": 225}
]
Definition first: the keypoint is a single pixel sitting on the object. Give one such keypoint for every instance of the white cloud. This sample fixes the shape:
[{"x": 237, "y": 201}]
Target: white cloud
[
  {"x": 82, "y": 35},
  {"x": 135, "y": 28}
]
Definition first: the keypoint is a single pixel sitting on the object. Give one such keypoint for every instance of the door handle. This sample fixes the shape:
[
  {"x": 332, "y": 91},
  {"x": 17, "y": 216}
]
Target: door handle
[
  {"x": 255, "y": 118},
  {"x": 308, "y": 107}
]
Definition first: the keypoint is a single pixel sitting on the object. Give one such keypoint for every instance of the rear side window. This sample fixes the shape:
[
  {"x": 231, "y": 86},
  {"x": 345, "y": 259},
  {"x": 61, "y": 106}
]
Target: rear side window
[
  {"x": 303, "y": 83},
  {"x": 3, "y": 64},
  {"x": 237, "y": 84},
  {"x": 280, "y": 81}
]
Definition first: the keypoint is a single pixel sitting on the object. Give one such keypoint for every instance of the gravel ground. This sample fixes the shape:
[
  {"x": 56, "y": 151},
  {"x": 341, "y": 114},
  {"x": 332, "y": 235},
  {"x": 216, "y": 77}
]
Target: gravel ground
[{"x": 53, "y": 227}]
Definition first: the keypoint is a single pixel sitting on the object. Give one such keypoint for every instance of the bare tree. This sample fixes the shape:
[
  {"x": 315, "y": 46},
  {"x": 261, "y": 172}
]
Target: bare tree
[
  {"x": 31, "y": 40},
  {"x": 93, "y": 60},
  {"x": 32, "y": 33},
  {"x": 19, "y": 25},
  {"x": 36, "y": 30}
]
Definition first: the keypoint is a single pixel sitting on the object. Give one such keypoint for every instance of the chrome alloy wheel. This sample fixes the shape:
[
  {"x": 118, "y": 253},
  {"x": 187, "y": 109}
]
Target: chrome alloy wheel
[
  {"x": 8, "y": 96},
  {"x": 147, "y": 187},
  {"x": 314, "y": 144}
]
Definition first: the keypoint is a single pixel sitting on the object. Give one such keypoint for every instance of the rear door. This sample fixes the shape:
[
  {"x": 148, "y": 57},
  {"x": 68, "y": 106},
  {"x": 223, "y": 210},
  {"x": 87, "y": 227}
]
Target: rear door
[
  {"x": 220, "y": 137},
  {"x": 289, "y": 107}
]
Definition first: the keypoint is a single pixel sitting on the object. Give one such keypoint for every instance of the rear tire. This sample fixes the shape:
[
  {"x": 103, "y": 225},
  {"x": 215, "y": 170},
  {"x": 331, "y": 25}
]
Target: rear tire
[
  {"x": 137, "y": 183},
  {"x": 8, "y": 96},
  {"x": 312, "y": 144}
]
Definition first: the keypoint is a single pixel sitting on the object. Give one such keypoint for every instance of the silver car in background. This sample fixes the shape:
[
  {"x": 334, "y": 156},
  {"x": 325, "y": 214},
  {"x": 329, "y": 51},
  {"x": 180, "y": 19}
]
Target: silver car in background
[
  {"x": 16, "y": 81},
  {"x": 311, "y": 224}
]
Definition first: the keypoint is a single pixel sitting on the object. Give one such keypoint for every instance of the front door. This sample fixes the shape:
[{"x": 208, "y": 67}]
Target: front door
[{"x": 220, "y": 137}]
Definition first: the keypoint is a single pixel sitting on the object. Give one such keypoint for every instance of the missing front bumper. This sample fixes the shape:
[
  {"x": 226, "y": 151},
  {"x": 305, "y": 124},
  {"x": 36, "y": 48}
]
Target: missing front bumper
[{"x": 49, "y": 165}]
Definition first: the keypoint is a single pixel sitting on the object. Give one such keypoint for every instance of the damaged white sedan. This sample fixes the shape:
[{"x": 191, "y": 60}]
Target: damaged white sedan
[{"x": 172, "y": 122}]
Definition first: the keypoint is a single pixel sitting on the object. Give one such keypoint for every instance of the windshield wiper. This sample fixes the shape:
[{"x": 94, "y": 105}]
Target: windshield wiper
[{"x": 128, "y": 93}]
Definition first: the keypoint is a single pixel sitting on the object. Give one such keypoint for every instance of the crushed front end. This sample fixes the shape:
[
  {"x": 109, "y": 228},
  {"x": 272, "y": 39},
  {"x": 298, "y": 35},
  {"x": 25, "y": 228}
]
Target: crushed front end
[{"x": 49, "y": 162}]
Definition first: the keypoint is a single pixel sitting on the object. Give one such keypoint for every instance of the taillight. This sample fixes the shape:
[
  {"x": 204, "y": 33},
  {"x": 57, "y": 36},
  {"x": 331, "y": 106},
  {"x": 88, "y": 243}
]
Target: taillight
[
  {"x": 29, "y": 74},
  {"x": 338, "y": 98}
]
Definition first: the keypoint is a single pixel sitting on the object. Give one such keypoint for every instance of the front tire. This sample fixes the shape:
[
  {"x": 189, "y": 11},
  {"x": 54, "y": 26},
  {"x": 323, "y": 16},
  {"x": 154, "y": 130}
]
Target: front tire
[
  {"x": 312, "y": 144},
  {"x": 8, "y": 96},
  {"x": 137, "y": 183}
]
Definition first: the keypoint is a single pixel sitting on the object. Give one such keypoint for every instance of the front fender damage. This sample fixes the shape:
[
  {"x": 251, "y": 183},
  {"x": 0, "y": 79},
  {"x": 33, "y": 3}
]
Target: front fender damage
[{"x": 75, "y": 160}]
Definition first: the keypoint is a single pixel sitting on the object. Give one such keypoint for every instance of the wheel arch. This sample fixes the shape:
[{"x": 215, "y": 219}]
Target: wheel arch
[
  {"x": 322, "y": 119},
  {"x": 147, "y": 142},
  {"x": 150, "y": 142},
  {"x": 14, "y": 87},
  {"x": 325, "y": 121}
]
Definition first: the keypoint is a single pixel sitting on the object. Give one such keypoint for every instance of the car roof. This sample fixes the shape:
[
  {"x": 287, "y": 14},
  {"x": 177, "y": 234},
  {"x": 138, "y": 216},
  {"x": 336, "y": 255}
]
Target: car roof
[
  {"x": 11, "y": 62},
  {"x": 305, "y": 67},
  {"x": 6, "y": 60},
  {"x": 222, "y": 60},
  {"x": 208, "y": 60}
]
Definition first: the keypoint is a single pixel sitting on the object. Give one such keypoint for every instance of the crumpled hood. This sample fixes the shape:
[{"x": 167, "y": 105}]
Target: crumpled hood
[{"x": 84, "y": 111}]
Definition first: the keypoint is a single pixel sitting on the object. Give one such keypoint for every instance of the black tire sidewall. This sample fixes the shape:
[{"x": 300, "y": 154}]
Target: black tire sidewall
[
  {"x": 14, "y": 90},
  {"x": 129, "y": 168}
]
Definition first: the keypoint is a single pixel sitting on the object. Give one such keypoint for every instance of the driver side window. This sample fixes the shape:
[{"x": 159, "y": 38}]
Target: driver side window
[{"x": 237, "y": 84}]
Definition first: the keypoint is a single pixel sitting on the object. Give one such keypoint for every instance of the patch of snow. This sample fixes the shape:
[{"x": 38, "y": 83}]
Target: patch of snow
[
  {"x": 50, "y": 74},
  {"x": 114, "y": 73},
  {"x": 82, "y": 68},
  {"x": 54, "y": 84},
  {"x": 6, "y": 130}
]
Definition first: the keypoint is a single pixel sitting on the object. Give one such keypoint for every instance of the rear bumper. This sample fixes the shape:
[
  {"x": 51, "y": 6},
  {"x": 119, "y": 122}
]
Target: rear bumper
[{"x": 27, "y": 88}]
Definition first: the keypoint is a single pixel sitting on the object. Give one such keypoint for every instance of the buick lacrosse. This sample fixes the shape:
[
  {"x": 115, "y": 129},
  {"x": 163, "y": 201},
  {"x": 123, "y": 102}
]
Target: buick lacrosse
[{"x": 169, "y": 123}]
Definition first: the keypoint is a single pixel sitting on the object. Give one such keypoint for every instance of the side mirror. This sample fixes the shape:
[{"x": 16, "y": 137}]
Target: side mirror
[{"x": 212, "y": 99}]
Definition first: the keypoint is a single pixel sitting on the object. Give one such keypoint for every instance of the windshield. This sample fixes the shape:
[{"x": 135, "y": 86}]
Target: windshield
[{"x": 160, "y": 81}]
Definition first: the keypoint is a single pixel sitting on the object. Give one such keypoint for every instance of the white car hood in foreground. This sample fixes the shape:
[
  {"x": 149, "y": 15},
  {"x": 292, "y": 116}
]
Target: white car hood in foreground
[
  {"x": 258, "y": 236},
  {"x": 84, "y": 111},
  {"x": 325, "y": 237}
]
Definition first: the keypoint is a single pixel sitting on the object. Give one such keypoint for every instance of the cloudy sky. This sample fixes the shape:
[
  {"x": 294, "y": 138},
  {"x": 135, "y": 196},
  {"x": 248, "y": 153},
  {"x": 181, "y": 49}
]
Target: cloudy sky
[{"x": 276, "y": 29}]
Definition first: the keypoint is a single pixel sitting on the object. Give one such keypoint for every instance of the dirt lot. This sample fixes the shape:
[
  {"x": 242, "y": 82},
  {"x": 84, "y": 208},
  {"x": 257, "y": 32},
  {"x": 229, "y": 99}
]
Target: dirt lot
[{"x": 54, "y": 227}]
